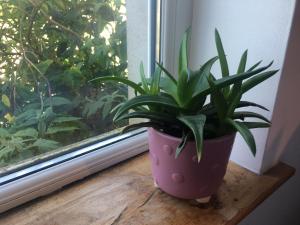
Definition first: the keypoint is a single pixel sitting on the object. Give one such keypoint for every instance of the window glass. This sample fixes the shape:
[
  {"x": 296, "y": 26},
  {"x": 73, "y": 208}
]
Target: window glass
[{"x": 49, "y": 51}]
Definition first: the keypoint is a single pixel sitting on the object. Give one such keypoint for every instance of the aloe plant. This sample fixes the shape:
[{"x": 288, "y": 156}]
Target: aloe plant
[{"x": 180, "y": 108}]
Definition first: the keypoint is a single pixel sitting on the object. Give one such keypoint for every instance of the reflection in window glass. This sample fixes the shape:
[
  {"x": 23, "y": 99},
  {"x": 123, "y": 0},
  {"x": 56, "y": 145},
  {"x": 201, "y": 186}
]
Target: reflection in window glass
[{"x": 49, "y": 51}]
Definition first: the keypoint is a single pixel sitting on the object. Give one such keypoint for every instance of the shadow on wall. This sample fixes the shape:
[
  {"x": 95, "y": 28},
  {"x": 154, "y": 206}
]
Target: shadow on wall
[
  {"x": 276, "y": 144},
  {"x": 288, "y": 196},
  {"x": 292, "y": 157},
  {"x": 282, "y": 207},
  {"x": 292, "y": 154}
]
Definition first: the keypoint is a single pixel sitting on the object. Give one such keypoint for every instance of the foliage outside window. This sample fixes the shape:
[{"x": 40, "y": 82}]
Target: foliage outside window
[{"x": 49, "y": 51}]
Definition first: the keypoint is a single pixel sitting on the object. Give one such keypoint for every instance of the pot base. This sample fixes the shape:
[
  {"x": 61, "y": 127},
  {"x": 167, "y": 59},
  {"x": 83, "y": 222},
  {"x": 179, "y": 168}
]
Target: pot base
[{"x": 203, "y": 200}]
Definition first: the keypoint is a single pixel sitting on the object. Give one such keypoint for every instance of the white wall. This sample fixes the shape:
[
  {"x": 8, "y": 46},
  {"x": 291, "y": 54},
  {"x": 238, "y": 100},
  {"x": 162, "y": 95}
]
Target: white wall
[
  {"x": 286, "y": 114},
  {"x": 263, "y": 28}
]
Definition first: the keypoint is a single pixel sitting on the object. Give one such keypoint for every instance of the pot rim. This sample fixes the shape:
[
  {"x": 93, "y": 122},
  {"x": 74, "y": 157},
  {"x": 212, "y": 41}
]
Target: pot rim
[{"x": 217, "y": 139}]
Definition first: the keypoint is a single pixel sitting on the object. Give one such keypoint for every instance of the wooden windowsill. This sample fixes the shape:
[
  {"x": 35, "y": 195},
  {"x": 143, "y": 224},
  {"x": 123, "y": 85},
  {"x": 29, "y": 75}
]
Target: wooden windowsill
[{"x": 124, "y": 194}]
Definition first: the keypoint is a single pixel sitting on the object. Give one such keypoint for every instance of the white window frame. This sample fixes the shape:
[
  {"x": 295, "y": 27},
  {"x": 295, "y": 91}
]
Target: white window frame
[
  {"x": 47, "y": 180},
  {"x": 176, "y": 17}
]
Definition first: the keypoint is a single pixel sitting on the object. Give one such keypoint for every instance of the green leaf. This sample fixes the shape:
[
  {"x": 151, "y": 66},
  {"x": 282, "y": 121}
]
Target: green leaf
[
  {"x": 252, "y": 82},
  {"x": 131, "y": 84},
  {"x": 254, "y": 66},
  {"x": 44, "y": 65},
  {"x": 27, "y": 118},
  {"x": 106, "y": 109},
  {"x": 54, "y": 130},
  {"x": 198, "y": 81},
  {"x": 183, "y": 72},
  {"x": 29, "y": 132},
  {"x": 235, "y": 95},
  {"x": 221, "y": 54},
  {"x": 154, "y": 88},
  {"x": 253, "y": 125},
  {"x": 209, "y": 109},
  {"x": 183, "y": 55},
  {"x": 143, "y": 78},
  {"x": 60, "y": 4},
  {"x": 247, "y": 104},
  {"x": 6, "y": 101},
  {"x": 182, "y": 144},
  {"x": 42, "y": 127},
  {"x": 63, "y": 119},
  {"x": 4, "y": 133},
  {"x": 169, "y": 75},
  {"x": 245, "y": 133},
  {"x": 243, "y": 114},
  {"x": 226, "y": 81},
  {"x": 197, "y": 105},
  {"x": 195, "y": 124},
  {"x": 167, "y": 85},
  {"x": 45, "y": 144},
  {"x": 234, "y": 99},
  {"x": 182, "y": 86},
  {"x": 57, "y": 101},
  {"x": 242, "y": 64},
  {"x": 106, "y": 13},
  {"x": 116, "y": 108},
  {"x": 92, "y": 107},
  {"x": 218, "y": 100},
  {"x": 48, "y": 115},
  {"x": 72, "y": 77},
  {"x": 222, "y": 58},
  {"x": 6, "y": 152},
  {"x": 149, "y": 100}
]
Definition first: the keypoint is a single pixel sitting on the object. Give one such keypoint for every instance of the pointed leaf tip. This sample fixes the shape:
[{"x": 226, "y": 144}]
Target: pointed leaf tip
[
  {"x": 199, "y": 157},
  {"x": 196, "y": 125}
]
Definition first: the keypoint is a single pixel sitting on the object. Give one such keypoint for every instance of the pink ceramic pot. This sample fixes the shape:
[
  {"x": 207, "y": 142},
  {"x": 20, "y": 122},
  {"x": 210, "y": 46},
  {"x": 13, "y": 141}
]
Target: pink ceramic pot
[{"x": 184, "y": 177}]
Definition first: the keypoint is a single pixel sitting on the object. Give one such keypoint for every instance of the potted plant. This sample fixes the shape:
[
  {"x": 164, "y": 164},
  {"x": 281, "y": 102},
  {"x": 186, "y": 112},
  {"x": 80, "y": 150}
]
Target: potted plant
[{"x": 193, "y": 120}]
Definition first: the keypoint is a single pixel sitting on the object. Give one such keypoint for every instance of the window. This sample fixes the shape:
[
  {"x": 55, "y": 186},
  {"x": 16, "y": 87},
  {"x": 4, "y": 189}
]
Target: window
[
  {"x": 55, "y": 125},
  {"x": 50, "y": 50}
]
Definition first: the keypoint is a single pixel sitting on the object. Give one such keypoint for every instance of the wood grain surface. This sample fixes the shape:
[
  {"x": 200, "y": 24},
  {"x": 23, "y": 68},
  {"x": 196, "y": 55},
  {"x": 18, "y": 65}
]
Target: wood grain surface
[{"x": 124, "y": 194}]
